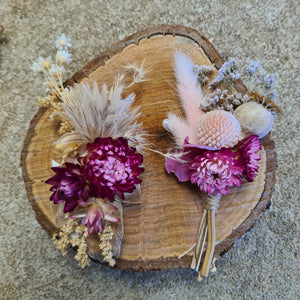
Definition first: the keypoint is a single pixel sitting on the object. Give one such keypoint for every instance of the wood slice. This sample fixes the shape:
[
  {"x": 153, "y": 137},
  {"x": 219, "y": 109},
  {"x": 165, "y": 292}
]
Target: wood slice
[{"x": 165, "y": 224}]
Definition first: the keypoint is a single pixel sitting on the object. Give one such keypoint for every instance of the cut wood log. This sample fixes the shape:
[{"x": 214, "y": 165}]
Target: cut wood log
[{"x": 166, "y": 223}]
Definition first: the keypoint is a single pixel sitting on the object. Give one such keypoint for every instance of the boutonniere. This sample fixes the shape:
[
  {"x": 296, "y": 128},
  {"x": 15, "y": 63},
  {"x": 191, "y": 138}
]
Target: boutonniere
[
  {"x": 99, "y": 155},
  {"x": 218, "y": 142}
]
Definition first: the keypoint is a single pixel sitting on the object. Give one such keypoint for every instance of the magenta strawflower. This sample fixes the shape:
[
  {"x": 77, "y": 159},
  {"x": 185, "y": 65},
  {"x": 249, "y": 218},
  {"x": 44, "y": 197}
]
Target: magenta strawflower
[
  {"x": 96, "y": 216},
  {"x": 247, "y": 149},
  {"x": 180, "y": 162},
  {"x": 111, "y": 167},
  {"x": 216, "y": 171},
  {"x": 69, "y": 186}
]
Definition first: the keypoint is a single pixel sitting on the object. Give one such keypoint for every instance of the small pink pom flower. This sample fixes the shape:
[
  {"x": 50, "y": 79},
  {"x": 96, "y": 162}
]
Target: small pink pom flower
[
  {"x": 218, "y": 129},
  {"x": 247, "y": 149},
  {"x": 216, "y": 171}
]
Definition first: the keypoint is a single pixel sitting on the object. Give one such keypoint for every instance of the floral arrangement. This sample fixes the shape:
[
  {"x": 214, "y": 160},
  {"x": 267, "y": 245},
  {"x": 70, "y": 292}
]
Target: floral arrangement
[
  {"x": 100, "y": 157},
  {"x": 218, "y": 142},
  {"x": 99, "y": 152}
]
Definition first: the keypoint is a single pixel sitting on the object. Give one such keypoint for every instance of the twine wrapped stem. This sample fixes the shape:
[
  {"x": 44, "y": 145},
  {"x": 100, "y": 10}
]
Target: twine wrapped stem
[{"x": 206, "y": 230}]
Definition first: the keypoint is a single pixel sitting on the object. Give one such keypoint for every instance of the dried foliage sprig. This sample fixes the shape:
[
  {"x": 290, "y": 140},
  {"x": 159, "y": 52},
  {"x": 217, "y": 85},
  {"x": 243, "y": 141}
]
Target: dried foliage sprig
[
  {"x": 105, "y": 238},
  {"x": 74, "y": 234},
  {"x": 222, "y": 99},
  {"x": 266, "y": 102}
]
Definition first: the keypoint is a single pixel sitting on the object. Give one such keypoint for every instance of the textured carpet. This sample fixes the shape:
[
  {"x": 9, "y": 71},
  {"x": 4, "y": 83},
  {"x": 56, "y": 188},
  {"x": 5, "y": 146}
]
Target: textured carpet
[{"x": 264, "y": 263}]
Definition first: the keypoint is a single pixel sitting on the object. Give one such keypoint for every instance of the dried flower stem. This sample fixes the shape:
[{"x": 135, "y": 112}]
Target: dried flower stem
[
  {"x": 211, "y": 240},
  {"x": 187, "y": 251},
  {"x": 206, "y": 230},
  {"x": 200, "y": 242}
]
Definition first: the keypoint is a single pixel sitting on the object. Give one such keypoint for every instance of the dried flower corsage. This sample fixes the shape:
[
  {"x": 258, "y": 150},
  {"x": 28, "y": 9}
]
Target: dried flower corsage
[
  {"x": 99, "y": 159},
  {"x": 218, "y": 142}
]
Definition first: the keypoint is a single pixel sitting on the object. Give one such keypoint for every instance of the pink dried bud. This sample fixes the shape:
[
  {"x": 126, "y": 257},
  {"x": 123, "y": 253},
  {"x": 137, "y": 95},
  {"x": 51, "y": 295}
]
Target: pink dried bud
[{"x": 96, "y": 216}]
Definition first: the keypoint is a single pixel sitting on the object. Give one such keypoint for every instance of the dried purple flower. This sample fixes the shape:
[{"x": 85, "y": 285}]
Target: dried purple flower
[
  {"x": 253, "y": 67},
  {"x": 179, "y": 162},
  {"x": 268, "y": 81},
  {"x": 247, "y": 149},
  {"x": 69, "y": 186},
  {"x": 111, "y": 167},
  {"x": 213, "y": 170},
  {"x": 227, "y": 75},
  {"x": 216, "y": 171}
]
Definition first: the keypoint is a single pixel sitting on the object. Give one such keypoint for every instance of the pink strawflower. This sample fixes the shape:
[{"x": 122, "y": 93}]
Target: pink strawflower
[
  {"x": 213, "y": 170},
  {"x": 247, "y": 149},
  {"x": 180, "y": 162},
  {"x": 216, "y": 171},
  {"x": 69, "y": 186},
  {"x": 111, "y": 167},
  {"x": 97, "y": 215}
]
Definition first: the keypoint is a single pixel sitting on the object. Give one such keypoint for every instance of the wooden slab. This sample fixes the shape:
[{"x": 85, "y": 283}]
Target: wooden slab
[{"x": 165, "y": 224}]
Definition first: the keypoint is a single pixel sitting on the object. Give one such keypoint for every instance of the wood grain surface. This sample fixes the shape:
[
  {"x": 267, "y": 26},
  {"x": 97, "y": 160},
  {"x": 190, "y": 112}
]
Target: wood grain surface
[{"x": 165, "y": 223}]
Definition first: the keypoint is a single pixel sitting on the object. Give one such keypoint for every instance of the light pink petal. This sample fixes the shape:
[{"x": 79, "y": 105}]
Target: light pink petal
[{"x": 112, "y": 218}]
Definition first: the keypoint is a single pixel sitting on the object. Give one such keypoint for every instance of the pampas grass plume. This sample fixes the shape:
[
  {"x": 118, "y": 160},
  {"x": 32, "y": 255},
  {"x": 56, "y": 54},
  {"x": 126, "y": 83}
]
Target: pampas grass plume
[{"x": 188, "y": 88}]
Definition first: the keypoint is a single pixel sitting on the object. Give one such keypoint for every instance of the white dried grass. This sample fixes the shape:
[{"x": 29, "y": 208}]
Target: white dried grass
[{"x": 101, "y": 114}]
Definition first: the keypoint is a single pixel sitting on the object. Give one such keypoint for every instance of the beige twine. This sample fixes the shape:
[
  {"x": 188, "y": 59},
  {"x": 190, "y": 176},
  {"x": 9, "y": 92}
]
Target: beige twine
[{"x": 212, "y": 202}]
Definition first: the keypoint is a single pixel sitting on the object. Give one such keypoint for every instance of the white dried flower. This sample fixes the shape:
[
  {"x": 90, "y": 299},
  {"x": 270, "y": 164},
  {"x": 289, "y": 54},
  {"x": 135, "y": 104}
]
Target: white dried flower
[
  {"x": 42, "y": 64},
  {"x": 63, "y": 57},
  {"x": 62, "y": 42}
]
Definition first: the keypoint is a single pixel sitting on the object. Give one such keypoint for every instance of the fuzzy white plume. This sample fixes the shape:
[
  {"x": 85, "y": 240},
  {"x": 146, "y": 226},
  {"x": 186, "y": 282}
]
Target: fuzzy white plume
[
  {"x": 106, "y": 114},
  {"x": 180, "y": 129},
  {"x": 188, "y": 88}
]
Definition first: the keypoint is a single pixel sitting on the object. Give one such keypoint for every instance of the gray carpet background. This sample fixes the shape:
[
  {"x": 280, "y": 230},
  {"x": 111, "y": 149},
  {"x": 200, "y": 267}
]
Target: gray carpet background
[{"x": 264, "y": 263}]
